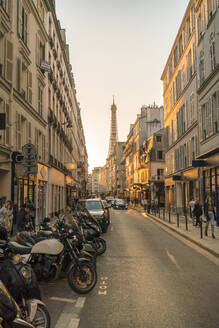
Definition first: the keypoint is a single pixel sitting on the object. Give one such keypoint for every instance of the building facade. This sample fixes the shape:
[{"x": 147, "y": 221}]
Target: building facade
[
  {"x": 180, "y": 116},
  {"x": 38, "y": 99},
  {"x": 148, "y": 122},
  {"x": 207, "y": 43}
]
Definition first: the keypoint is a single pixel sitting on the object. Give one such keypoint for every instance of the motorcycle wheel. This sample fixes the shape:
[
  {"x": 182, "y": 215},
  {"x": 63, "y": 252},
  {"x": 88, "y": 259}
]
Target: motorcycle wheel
[
  {"x": 100, "y": 246},
  {"x": 82, "y": 279},
  {"x": 42, "y": 317}
]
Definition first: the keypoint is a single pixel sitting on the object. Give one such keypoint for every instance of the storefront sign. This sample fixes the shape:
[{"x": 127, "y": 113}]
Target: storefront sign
[{"x": 42, "y": 172}]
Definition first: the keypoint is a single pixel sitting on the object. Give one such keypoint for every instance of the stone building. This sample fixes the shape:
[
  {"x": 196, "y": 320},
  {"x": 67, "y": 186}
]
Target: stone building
[
  {"x": 180, "y": 115},
  {"x": 207, "y": 43},
  {"x": 149, "y": 121},
  {"x": 38, "y": 96},
  {"x": 152, "y": 165},
  {"x": 95, "y": 181}
]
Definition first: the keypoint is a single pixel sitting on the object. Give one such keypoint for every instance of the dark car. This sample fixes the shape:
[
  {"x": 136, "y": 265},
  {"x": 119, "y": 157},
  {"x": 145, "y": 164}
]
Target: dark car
[
  {"x": 120, "y": 204},
  {"x": 107, "y": 207},
  {"x": 95, "y": 208}
]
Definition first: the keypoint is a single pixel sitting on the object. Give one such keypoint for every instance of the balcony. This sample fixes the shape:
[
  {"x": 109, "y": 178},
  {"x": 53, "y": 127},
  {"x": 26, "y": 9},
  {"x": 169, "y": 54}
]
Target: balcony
[{"x": 157, "y": 178}]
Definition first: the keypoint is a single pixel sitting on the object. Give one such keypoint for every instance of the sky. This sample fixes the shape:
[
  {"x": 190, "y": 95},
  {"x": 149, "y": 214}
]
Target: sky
[{"x": 120, "y": 48}]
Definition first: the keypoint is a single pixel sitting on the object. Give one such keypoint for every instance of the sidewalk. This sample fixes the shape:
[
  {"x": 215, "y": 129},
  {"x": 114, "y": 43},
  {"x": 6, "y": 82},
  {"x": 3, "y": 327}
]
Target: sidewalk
[{"x": 193, "y": 233}]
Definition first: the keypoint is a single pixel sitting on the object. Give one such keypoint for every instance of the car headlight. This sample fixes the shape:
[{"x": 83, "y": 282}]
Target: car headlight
[{"x": 26, "y": 273}]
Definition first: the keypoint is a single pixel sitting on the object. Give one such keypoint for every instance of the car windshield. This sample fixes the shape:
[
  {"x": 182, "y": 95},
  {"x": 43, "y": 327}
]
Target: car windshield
[
  {"x": 93, "y": 205},
  {"x": 120, "y": 201}
]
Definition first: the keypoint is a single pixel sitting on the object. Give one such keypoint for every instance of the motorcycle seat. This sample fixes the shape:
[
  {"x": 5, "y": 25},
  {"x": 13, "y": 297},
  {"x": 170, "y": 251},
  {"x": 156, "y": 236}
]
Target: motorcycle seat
[{"x": 19, "y": 249}]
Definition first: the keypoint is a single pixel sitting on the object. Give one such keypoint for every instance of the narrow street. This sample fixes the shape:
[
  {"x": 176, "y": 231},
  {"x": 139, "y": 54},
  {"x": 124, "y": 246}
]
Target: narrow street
[{"x": 147, "y": 279}]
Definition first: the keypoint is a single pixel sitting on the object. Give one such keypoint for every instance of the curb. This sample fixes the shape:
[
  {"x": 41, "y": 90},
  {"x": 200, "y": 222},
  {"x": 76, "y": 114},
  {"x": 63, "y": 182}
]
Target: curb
[{"x": 211, "y": 251}]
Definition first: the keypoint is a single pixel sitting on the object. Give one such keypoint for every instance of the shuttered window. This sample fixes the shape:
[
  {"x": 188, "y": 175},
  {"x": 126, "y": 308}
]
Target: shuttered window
[
  {"x": 29, "y": 87},
  {"x": 9, "y": 61},
  {"x": 7, "y": 131},
  {"x": 18, "y": 131}
]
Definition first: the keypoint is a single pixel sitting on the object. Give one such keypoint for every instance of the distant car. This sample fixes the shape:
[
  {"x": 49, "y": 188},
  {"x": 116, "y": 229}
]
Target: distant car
[
  {"x": 120, "y": 204},
  {"x": 95, "y": 208}
]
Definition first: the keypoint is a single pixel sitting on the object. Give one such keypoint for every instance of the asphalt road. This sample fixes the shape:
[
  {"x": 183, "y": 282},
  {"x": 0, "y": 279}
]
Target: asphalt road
[{"x": 147, "y": 279}]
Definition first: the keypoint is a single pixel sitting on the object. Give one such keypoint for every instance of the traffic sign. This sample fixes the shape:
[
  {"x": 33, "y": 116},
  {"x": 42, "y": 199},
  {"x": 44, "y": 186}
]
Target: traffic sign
[{"x": 29, "y": 163}]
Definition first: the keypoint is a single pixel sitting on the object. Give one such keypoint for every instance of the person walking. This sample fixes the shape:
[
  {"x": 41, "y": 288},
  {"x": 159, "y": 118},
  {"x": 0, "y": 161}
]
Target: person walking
[
  {"x": 192, "y": 206},
  {"x": 156, "y": 203},
  {"x": 24, "y": 221},
  {"x": 3, "y": 219},
  {"x": 210, "y": 215},
  {"x": 10, "y": 215},
  {"x": 197, "y": 212}
]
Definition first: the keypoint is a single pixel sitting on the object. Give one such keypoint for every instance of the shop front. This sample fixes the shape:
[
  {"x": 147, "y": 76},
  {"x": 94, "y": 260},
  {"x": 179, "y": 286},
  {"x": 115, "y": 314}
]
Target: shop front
[{"x": 56, "y": 191}]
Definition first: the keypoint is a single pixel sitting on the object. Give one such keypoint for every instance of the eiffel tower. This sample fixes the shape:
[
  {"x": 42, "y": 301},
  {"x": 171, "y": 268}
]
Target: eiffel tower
[{"x": 113, "y": 130}]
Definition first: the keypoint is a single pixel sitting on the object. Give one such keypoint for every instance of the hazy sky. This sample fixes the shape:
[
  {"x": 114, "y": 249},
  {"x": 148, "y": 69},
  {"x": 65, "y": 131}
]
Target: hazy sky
[{"x": 117, "y": 47}]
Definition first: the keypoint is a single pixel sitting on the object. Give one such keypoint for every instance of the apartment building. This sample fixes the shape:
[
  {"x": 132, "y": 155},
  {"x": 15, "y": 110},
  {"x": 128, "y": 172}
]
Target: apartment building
[
  {"x": 95, "y": 181},
  {"x": 38, "y": 96},
  {"x": 180, "y": 115},
  {"x": 152, "y": 165},
  {"x": 148, "y": 122},
  {"x": 207, "y": 44}
]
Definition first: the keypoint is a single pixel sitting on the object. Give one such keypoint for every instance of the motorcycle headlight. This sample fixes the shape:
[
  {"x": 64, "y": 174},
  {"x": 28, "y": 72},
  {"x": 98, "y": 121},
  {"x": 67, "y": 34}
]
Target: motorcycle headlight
[{"x": 26, "y": 273}]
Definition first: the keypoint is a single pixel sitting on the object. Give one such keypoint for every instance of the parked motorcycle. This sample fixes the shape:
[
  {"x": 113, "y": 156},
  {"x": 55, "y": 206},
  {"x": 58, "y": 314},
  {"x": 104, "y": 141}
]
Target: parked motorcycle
[
  {"x": 21, "y": 282},
  {"x": 50, "y": 257},
  {"x": 10, "y": 311}
]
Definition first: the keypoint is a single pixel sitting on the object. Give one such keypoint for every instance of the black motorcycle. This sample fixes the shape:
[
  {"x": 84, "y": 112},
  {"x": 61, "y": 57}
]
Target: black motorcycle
[
  {"x": 20, "y": 280},
  {"x": 10, "y": 311}
]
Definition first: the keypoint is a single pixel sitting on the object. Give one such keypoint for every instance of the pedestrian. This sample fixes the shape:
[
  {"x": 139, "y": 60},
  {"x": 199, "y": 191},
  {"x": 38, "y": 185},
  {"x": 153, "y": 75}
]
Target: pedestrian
[
  {"x": 191, "y": 206},
  {"x": 24, "y": 220},
  {"x": 3, "y": 219},
  {"x": 9, "y": 206},
  {"x": 197, "y": 212},
  {"x": 149, "y": 206},
  {"x": 210, "y": 215},
  {"x": 156, "y": 202}
]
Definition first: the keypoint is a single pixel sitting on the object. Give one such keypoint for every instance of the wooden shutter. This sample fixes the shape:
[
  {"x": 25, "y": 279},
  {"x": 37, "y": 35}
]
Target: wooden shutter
[
  {"x": 18, "y": 74},
  {"x": 7, "y": 132},
  {"x": 19, "y": 18},
  {"x": 200, "y": 123},
  {"x": 37, "y": 50},
  {"x": 9, "y": 61},
  {"x": 29, "y": 83},
  {"x": 36, "y": 140},
  {"x": 18, "y": 130}
]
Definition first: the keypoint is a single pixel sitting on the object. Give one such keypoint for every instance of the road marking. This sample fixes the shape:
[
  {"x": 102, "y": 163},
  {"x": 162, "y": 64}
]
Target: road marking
[
  {"x": 111, "y": 228},
  {"x": 74, "y": 323},
  {"x": 80, "y": 302},
  {"x": 61, "y": 299},
  {"x": 172, "y": 258},
  {"x": 103, "y": 286}
]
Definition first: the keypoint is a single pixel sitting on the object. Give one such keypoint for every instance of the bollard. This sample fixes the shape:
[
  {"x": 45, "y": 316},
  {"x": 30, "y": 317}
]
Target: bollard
[
  {"x": 169, "y": 215},
  {"x": 164, "y": 214},
  {"x": 186, "y": 219},
  {"x": 201, "y": 228},
  {"x": 159, "y": 212},
  {"x": 177, "y": 217}
]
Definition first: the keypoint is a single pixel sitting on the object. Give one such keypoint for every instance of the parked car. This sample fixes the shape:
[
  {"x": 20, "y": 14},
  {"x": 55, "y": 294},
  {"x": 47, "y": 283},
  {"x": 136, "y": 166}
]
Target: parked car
[
  {"x": 95, "y": 208},
  {"x": 120, "y": 204}
]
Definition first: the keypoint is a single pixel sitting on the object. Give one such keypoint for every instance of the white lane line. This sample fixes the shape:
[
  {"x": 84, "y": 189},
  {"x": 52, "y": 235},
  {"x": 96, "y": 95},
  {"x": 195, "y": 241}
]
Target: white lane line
[
  {"x": 80, "y": 302},
  {"x": 63, "y": 321},
  {"x": 172, "y": 258},
  {"x": 61, "y": 299},
  {"x": 74, "y": 323}
]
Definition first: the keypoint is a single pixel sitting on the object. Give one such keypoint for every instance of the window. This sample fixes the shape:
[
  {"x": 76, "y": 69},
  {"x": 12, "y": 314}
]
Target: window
[
  {"x": 40, "y": 100},
  {"x": 214, "y": 112},
  {"x": 158, "y": 138},
  {"x": 9, "y": 61},
  {"x": 180, "y": 46},
  {"x": 201, "y": 70},
  {"x": 175, "y": 56},
  {"x": 170, "y": 69},
  {"x": 18, "y": 131},
  {"x": 7, "y": 131},
  {"x": 160, "y": 173},
  {"x": 189, "y": 66},
  {"x": 192, "y": 107},
  {"x": 213, "y": 56},
  {"x": 40, "y": 50},
  {"x": 24, "y": 26},
  {"x": 160, "y": 154}
]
